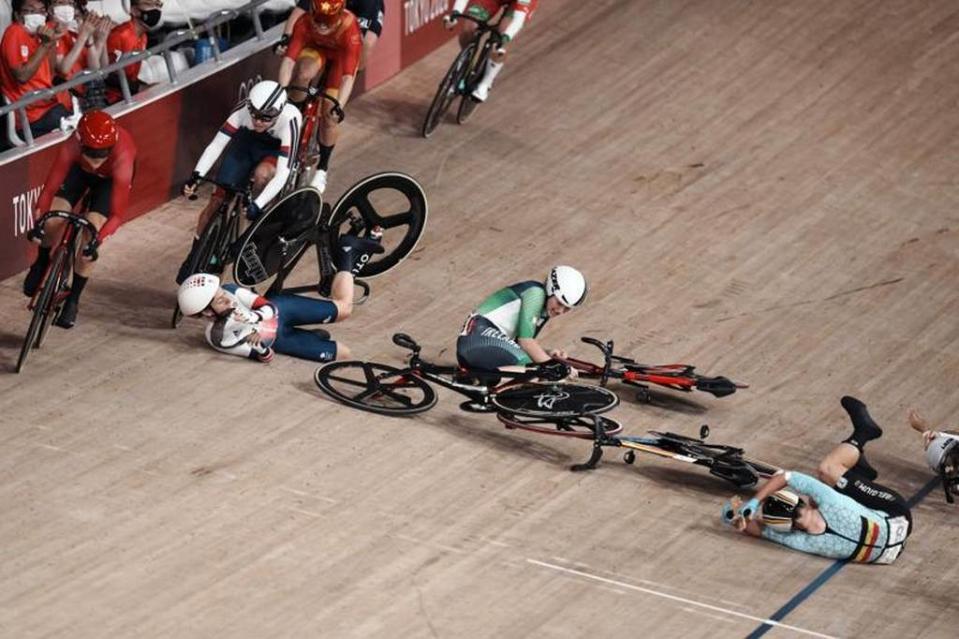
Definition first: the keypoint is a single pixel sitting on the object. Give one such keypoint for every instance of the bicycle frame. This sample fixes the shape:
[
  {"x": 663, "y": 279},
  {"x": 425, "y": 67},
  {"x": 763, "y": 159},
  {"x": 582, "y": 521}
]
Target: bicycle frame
[
  {"x": 311, "y": 117},
  {"x": 67, "y": 242}
]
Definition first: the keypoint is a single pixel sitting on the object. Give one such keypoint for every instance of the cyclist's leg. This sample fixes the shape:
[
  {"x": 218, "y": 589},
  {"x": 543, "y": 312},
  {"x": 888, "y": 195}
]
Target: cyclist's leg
[
  {"x": 308, "y": 345},
  {"x": 516, "y": 16},
  {"x": 308, "y": 65},
  {"x": 295, "y": 311},
  {"x": 484, "y": 347},
  {"x": 339, "y": 84},
  {"x": 69, "y": 193}
]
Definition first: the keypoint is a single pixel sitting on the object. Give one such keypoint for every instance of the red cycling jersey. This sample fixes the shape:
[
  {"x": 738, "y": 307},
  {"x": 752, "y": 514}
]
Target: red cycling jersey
[
  {"x": 118, "y": 167},
  {"x": 340, "y": 49},
  {"x": 15, "y": 49},
  {"x": 124, "y": 39}
]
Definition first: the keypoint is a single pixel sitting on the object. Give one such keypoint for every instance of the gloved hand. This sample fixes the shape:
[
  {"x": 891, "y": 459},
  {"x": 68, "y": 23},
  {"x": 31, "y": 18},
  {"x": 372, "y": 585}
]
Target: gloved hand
[
  {"x": 729, "y": 513},
  {"x": 553, "y": 370},
  {"x": 189, "y": 189},
  {"x": 90, "y": 250},
  {"x": 253, "y": 211},
  {"x": 748, "y": 510},
  {"x": 265, "y": 356},
  {"x": 280, "y": 47},
  {"x": 449, "y": 21}
]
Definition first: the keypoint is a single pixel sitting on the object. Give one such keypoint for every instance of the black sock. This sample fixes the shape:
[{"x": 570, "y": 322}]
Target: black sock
[
  {"x": 43, "y": 255},
  {"x": 76, "y": 287},
  {"x": 325, "y": 153},
  {"x": 864, "y": 427}
]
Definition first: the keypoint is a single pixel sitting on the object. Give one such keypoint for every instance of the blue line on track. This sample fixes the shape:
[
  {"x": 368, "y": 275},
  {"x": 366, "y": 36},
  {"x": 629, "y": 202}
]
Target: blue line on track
[{"x": 828, "y": 573}]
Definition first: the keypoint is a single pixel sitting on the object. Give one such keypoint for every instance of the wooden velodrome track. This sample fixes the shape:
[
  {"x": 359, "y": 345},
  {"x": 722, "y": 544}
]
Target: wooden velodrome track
[{"x": 764, "y": 189}]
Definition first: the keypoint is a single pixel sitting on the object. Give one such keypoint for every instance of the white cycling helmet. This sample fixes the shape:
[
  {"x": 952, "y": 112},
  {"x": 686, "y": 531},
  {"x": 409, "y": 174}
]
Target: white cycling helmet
[
  {"x": 567, "y": 284},
  {"x": 196, "y": 292},
  {"x": 266, "y": 100},
  {"x": 942, "y": 455},
  {"x": 779, "y": 509}
]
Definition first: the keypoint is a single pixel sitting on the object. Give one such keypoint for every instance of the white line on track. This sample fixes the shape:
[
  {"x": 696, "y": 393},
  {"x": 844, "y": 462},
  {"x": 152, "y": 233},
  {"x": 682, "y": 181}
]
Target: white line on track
[{"x": 664, "y": 595}]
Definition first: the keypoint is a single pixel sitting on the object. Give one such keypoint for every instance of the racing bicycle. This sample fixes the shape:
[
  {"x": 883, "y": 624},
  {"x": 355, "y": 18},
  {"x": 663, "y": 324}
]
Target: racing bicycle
[
  {"x": 679, "y": 377},
  {"x": 726, "y": 462},
  {"x": 464, "y": 74},
  {"x": 212, "y": 251},
  {"x": 54, "y": 288},
  {"x": 391, "y": 203},
  {"x": 560, "y": 408}
]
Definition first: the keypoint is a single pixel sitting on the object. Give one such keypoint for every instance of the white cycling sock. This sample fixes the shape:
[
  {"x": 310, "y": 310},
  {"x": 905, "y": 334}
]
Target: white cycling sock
[{"x": 492, "y": 70}]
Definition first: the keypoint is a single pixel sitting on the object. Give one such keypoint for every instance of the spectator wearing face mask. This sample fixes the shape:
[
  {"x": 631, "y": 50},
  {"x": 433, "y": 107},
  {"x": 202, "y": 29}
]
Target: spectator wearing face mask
[
  {"x": 26, "y": 64},
  {"x": 132, "y": 36},
  {"x": 82, "y": 46}
]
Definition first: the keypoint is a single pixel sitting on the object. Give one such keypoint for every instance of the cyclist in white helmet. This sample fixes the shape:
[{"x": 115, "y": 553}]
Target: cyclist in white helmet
[
  {"x": 260, "y": 138},
  {"x": 942, "y": 452},
  {"x": 501, "y": 334},
  {"x": 241, "y": 322}
]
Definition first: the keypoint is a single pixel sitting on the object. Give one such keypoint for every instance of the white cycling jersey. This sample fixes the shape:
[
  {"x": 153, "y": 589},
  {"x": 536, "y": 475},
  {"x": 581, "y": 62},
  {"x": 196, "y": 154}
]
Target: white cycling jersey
[
  {"x": 250, "y": 313},
  {"x": 286, "y": 129}
]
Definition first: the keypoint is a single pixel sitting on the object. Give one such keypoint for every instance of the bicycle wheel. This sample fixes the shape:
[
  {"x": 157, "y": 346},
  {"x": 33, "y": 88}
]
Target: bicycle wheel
[
  {"x": 476, "y": 72},
  {"x": 278, "y": 237},
  {"x": 376, "y": 388},
  {"x": 581, "y": 426},
  {"x": 199, "y": 258},
  {"x": 41, "y": 309},
  {"x": 393, "y": 201},
  {"x": 561, "y": 399},
  {"x": 60, "y": 293},
  {"x": 447, "y": 90}
]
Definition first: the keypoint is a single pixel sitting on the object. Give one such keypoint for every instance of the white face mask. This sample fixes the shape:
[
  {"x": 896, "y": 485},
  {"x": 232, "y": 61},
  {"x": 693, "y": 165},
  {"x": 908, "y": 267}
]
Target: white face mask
[
  {"x": 33, "y": 21},
  {"x": 64, "y": 13}
]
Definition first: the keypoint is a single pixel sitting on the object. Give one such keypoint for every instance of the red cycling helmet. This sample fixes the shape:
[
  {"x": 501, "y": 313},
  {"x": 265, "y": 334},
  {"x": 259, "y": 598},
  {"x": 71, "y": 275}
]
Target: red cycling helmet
[
  {"x": 97, "y": 130},
  {"x": 328, "y": 7}
]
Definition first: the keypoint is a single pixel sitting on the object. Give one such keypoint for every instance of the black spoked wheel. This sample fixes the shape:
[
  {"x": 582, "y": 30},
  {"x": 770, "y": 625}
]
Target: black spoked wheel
[
  {"x": 42, "y": 308},
  {"x": 581, "y": 426},
  {"x": 447, "y": 90},
  {"x": 60, "y": 293},
  {"x": 468, "y": 104},
  {"x": 561, "y": 399},
  {"x": 202, "y": 259},
  {"x": 376, "y": 388},
  {"x": 393, "y": 201},
  {"x": 278, "y": 238}
]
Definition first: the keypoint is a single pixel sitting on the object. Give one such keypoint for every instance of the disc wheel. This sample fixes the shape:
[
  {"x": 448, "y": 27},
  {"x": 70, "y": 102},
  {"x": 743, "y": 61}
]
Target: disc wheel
[
  {"x": 42, "y": 309},
  {"x": 392, "y": 201},
  {"x": 278, "y": 237},
  {"x": 376, "y": 388},
  {"x": 581, "y": 426},
  {"x": 561, "y": 399},
  {"x": 447, "y": 91}
]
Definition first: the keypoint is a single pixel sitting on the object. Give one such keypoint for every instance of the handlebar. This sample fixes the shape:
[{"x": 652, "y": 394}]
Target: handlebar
[
  {"x": 405, "y": 341},
  {"x": 316, "y": 92},
  {"x": 484, "y": 25},
  {"x": 90, "y": 250},
  {"x": 607, "y": 350},
  {"x": 229, "y": 188}
]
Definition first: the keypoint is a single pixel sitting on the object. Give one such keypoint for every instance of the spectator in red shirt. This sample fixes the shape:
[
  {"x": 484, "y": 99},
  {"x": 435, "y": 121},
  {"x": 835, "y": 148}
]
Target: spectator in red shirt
[
  {"x": 99, "y": 159},
  {"x": 82, "y": 47},
  {"x": 26, "y": 54},
  {"x": 132, "y": 36},
  {"x": 326, "y": 40}
]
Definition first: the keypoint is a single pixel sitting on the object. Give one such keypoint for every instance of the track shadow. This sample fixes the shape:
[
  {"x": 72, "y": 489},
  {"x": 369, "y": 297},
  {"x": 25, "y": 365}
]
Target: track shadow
[
  {"x": 680, "y": 476},
  {"x": 403, "y": 117},
  {"x": 497, "y": 437},
  {"x": 662, "y": 399},
  {"x": 131, "y": 305}
]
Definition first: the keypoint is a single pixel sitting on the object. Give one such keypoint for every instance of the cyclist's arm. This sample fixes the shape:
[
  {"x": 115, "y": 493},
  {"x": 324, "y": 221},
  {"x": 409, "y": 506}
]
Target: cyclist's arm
[
  {"x": 532, "y": 302},
  {"x": 68, "y": 154},
  {"x": 252, "y": 300},
  {"x": 119, "y": 194},
  {"x": 298, "y": 11},
  {"x": 459, "y": 6},
  {"x": 213, "y": 150},
  {"x": 516, "y": 22},
  {"x": 533, "y": 349}
]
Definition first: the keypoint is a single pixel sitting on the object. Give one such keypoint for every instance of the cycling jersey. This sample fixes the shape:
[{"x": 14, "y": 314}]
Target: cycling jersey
[
  {"x": 118, "y": 168},
  {"x": 340, "y": 50},
  {"x": 853, "y": 531},
  {"x": 286, "y": 130},
  {"x": 518, "y": 310},
  {"x": 486, "y": 9}
]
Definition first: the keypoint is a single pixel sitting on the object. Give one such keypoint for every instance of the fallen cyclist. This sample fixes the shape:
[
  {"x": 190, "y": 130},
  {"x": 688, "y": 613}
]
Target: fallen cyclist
[
  {"x": 942, "y": 452},
  {"x": 244, "y": 323},
  {"x": 501, "y": 334},
  {"x": 844, "y": 514}
]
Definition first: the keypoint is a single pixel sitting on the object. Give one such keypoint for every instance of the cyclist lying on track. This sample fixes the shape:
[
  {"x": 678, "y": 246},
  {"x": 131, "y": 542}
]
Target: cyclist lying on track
[
  {"x": 97, "y": 160},
  {"x": 328, "y": 37},
  {"x": 369, "y": 14},
  {"x": 517, "y": 13},
  {"x": 243, "y": 323},
  {"x": 844, "y": 514},
  {"x": 501, "y": 333},
  {"x": 942, "y": 452},
  {"x": 260, "y": 136}
]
